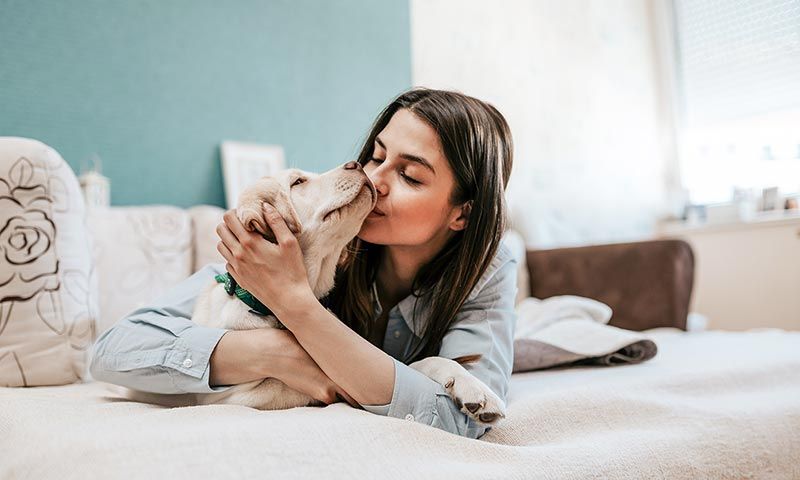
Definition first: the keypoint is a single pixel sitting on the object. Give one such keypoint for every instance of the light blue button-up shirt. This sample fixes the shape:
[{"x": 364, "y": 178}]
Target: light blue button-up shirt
[{"x": 159, "y": 349}]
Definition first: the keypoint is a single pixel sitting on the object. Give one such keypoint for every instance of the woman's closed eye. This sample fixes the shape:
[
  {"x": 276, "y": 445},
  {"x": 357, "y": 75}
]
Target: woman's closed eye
[{"x": 408, "y": 179}]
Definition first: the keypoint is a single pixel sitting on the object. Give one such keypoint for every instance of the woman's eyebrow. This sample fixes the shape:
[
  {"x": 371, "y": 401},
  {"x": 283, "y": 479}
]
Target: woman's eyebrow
[{"x": 409, "y": 157}]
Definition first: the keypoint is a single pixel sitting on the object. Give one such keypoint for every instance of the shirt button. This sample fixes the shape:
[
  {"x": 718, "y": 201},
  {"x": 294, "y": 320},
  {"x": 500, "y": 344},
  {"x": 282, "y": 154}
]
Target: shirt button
[
  {"x": 410, "y": 417},
  {"x": 187, "y": 363},
  {"x": 397, "y": 334}
]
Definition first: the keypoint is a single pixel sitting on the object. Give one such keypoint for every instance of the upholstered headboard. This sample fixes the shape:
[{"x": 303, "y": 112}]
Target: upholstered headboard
[{"x": 647, "y": 284}]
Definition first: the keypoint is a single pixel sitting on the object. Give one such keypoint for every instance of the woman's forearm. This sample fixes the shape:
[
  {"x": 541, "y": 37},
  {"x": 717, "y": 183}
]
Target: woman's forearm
[
  {"x": 363, "y": 370},
  {"x": 242, "y": 356}
]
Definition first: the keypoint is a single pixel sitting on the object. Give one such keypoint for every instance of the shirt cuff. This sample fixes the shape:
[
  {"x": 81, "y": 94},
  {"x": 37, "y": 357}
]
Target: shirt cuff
[
  {"x": 189, "y": 360},
  {"x": 418, "y": 398},
  {"x": 413, "y": 398}
]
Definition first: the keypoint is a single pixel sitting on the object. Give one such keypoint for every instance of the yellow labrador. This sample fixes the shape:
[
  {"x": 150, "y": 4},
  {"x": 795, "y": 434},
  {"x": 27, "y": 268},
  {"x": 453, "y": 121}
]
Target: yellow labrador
[{"x": 324, "y": 211}]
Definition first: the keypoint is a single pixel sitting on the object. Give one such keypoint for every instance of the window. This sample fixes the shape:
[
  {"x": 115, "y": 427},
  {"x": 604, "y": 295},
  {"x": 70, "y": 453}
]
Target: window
[{"x": 738, "y": 68}]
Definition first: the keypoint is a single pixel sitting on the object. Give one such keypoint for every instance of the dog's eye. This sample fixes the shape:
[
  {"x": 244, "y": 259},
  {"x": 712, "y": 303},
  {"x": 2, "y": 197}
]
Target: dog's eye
[{"x": 298, "y": 181}]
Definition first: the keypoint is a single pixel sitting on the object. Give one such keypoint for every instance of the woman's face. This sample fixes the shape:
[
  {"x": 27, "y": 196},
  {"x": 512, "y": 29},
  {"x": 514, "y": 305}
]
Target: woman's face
[{"x": 414, "y": 183}]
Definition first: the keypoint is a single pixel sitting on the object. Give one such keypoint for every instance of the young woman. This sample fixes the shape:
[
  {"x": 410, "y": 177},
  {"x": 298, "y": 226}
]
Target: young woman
[{"x": 427, "y": 275}]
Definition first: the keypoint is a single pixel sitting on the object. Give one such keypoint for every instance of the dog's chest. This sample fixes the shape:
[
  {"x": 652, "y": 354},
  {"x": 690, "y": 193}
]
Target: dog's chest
[{"x": 233, "y": 314}]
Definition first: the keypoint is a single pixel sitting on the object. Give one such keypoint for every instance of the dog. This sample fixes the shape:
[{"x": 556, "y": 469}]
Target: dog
[{"x": 325, "y": 212}]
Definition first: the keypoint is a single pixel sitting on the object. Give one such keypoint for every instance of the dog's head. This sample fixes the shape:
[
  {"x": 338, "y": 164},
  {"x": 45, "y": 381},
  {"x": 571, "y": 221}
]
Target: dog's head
[{"x": 324, "y": 211}]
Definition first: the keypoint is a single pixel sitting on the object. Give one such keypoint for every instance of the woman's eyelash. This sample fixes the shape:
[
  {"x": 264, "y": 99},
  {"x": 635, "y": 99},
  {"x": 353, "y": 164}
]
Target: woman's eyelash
[
  {"x": 402, "y": 174},
  {"x": 410, "y": 180}
]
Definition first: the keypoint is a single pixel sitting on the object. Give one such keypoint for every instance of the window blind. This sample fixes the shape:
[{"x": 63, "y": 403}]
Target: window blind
[{"x": 737, "y": 58}]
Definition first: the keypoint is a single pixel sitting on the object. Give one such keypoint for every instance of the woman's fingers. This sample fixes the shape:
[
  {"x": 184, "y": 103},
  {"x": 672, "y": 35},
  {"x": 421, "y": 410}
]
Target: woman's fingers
[
  {"x": 278, "y": 224},
  {"x": 230, "y": 269},
  {"x": 347, "y": 398},
  {"x": 228, "y": 240},
  {"x": 223, "y": 250},
  {"x": 333, "y": 393},
  {"x": 234, "y": 224}
]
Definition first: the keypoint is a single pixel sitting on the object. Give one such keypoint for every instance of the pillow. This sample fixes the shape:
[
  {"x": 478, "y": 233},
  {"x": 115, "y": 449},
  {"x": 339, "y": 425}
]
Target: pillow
[
  {"x": 48, "y": 291},
  {"x": 140, "y": 252},
  {"x": 205, "y": 219}
]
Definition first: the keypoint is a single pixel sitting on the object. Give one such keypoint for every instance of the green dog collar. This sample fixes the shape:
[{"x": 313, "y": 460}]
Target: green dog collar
[{"x": 232, "y": 288}]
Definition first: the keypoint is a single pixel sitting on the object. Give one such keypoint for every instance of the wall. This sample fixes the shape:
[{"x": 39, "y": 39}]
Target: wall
[
  {"x": 580, "y": 83},
  {"x": 154, "y": 86}
]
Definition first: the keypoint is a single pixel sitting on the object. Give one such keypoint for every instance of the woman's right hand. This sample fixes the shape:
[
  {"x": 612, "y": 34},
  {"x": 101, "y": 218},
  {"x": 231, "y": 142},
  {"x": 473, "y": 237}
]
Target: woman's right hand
[{"x": 300, "y": 372}]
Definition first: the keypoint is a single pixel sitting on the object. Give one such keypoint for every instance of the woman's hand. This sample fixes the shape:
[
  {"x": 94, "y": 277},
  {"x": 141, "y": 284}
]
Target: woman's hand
[
  {"x": 299, "y": 371},
  {"x": 274, "y": 274}
]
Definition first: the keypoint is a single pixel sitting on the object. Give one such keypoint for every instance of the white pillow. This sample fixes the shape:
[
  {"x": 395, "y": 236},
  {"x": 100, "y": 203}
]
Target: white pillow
[
  {"x": 140, "y": 252},
  {"x": 205, "y": 219},
  {"x": 48, "y": 291}
]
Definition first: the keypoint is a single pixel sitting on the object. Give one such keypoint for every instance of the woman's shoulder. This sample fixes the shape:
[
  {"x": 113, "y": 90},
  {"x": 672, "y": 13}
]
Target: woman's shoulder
[{"x": 499, "y": 272}]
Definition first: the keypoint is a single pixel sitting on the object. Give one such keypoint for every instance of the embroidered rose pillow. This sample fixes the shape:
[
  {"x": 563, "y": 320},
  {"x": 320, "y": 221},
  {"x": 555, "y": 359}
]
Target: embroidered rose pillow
[{"x": 48, "y": 291}]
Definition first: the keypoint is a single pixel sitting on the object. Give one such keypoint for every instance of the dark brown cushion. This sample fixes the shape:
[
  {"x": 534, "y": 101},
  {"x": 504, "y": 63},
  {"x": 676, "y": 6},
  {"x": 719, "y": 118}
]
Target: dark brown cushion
[{"x": 647, "y": 284}]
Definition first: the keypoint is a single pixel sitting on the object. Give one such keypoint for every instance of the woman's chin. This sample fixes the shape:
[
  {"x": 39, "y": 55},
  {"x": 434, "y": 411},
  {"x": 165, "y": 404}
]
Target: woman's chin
[{"x": 369, "y": 234}]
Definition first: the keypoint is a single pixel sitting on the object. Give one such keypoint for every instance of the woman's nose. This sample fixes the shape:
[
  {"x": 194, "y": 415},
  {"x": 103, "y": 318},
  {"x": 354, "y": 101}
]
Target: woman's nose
[{"x": 352, "y": 166}]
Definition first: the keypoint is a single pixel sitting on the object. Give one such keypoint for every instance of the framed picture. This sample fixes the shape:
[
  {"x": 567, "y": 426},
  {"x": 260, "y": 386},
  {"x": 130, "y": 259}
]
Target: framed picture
[{"x": 244, "y": 163}]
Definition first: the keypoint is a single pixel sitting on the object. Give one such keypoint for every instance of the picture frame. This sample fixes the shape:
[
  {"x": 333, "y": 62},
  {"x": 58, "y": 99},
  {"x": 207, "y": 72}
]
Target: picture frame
[{"x": 243, "y": 163}]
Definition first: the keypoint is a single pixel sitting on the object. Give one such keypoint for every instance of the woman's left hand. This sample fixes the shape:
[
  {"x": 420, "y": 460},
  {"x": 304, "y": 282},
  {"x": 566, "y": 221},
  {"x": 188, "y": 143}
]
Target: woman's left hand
[{"x": 274, "y": 274}]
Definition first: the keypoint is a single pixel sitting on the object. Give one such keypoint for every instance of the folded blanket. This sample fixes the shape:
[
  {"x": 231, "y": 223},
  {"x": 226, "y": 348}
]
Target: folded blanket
[{"x": 572, "y": 330}]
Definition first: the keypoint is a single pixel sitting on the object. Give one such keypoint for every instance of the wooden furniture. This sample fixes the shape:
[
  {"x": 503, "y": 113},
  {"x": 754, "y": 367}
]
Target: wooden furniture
[{"x": 748, "y": 273}]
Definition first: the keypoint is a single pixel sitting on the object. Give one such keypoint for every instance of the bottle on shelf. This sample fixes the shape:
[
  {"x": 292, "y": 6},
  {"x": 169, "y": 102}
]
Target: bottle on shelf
[{"x": 94, "y": 186}]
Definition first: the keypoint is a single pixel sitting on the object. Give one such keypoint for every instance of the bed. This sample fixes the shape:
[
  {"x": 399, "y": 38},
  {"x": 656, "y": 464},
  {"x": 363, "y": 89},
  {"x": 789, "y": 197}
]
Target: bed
[{"x": 710, "y": 404}]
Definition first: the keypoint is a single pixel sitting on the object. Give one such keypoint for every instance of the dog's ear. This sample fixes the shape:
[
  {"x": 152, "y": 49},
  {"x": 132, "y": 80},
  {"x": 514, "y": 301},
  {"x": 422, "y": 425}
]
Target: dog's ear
[{"x": 269, "y": 190}]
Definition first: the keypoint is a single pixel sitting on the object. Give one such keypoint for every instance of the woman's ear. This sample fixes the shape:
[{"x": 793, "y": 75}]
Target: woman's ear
[{"x": 461, "y": 215}]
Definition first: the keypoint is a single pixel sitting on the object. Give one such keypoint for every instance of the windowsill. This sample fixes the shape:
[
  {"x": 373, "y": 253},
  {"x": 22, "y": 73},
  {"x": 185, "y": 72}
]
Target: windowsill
[{"x": 759, "y": 220}]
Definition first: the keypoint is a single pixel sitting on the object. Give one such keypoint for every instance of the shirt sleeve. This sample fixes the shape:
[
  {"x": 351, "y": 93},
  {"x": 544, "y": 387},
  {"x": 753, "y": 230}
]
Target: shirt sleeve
[
  {"x": 484, "y": 325},
  {"x": 158, "y": 348}
]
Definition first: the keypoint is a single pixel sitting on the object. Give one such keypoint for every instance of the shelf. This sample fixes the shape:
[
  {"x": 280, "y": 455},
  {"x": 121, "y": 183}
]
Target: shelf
[{"x": 760, "y": 220}]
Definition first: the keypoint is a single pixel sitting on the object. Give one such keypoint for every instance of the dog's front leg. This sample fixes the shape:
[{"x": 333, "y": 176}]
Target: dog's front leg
[{"x": 471, "y": 395}]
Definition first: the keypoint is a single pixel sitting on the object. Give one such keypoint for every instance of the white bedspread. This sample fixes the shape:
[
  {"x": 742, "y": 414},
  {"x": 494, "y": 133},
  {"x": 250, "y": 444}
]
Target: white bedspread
[{"x": 709, "y": 405}]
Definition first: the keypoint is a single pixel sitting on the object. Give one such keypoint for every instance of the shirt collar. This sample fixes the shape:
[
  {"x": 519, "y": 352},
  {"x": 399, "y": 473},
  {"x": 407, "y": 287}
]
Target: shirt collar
[{"x": 406, "y": 306}]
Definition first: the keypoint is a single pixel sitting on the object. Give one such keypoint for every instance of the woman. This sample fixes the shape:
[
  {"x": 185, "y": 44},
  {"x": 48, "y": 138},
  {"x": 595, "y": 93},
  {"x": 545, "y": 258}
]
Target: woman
[{"x": 426, "y": 275}]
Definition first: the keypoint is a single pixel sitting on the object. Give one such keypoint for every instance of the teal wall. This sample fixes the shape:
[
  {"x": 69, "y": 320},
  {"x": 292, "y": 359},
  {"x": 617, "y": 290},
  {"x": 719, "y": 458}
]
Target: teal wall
[{"x": 154, "y": 86}]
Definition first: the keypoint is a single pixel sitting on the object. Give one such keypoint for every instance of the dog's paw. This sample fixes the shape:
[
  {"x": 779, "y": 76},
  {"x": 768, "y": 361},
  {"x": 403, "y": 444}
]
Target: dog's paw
[{"x": 475, "y": 399}]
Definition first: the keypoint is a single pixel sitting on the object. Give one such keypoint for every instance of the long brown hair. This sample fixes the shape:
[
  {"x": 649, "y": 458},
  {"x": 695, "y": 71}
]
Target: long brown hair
[{"x": 478, "y": 146}]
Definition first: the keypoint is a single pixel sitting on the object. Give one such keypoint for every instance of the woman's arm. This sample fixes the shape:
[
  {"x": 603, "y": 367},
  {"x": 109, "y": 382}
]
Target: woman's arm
[
  {"x": 385, "y": 386},
  {"x": 360, "y": 368},
  {"x": 276, "y": 275},
  {"x": 242, "y": 356},
  {"x": 159, "y": 349},
  {"x": 484, "y": 325}
]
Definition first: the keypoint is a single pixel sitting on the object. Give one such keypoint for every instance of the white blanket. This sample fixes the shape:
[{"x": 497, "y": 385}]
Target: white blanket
[
  {"x": 709, "y": 405},
  {"x": 569, "y": 329}
]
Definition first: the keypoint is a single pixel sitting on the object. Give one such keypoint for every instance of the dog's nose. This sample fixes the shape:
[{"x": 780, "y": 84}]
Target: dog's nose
[{"x": 352, "y": 166}]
